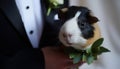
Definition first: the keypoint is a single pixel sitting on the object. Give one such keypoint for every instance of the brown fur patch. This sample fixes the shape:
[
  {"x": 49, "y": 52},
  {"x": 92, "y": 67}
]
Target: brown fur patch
[{"x": 97, "y": 35}]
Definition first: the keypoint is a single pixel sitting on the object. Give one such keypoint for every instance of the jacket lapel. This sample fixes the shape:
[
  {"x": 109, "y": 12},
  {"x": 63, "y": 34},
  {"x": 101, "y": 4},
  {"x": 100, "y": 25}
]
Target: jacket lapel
[{"x": 10, "y": 9}]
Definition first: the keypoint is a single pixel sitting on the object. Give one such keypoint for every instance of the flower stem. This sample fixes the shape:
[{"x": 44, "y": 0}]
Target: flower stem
[{"x": 48, "y": 11}]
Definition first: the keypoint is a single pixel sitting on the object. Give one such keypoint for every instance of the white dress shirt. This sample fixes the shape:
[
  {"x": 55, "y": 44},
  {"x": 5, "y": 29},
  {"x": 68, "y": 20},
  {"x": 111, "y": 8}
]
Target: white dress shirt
[{"x": 30, "y": 11}]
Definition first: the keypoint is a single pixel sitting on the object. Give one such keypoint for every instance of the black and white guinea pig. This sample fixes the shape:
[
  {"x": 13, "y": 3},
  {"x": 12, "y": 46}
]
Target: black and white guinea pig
[{"x": 80, "y": 28}]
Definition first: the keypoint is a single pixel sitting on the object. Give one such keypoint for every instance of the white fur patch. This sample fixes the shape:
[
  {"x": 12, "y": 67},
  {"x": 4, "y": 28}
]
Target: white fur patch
[{"x": 77, "y": 14}]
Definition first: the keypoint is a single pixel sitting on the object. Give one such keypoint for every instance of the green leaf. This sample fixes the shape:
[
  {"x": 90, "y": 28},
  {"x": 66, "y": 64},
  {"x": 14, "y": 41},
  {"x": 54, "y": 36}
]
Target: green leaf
[
  {"x": 48, "y": 11},
  {"x": 95, "y": 57},
  {"x": 97, "y": 43},
  {"x": 77, "y": 59},
  {"x": 72, "y": 55},
  {"x": 95, "y": 50},
  {"x": 90, "y": 59},
  {"x": 84, "y": 57},
  {"x": 88, "y": 51},
  {"x": 55, "y": 4},
  {"x": 102, "y": 50}
]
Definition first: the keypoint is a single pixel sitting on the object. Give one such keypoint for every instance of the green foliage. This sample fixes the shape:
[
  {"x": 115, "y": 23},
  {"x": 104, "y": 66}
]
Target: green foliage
[
  {"x": 97, "y": 43},
  {"x": 88, "y": 55},
  {"x": 52, "y": 4},
  {"x": 90, "y": 59},
  {"x": 76, "y": 59}
]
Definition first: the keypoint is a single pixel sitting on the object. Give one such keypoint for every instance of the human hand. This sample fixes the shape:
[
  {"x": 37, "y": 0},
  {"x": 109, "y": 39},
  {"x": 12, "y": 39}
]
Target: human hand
[{"x": 55, "y": 58}]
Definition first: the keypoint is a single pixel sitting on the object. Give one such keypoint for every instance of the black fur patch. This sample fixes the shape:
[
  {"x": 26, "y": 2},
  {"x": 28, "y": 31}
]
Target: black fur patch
[
  {"x": 84, "y": 23},
  {"x": 86, "y": 28}
]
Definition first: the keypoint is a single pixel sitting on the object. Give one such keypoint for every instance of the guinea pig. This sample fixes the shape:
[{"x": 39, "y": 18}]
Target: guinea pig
[{"x": 79, "y": 29}]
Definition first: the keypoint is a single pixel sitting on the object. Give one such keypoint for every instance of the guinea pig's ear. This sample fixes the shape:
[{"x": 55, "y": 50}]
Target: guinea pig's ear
[
  {"x": 62, "y": 13},
  {"x": 92, "y": 19}
]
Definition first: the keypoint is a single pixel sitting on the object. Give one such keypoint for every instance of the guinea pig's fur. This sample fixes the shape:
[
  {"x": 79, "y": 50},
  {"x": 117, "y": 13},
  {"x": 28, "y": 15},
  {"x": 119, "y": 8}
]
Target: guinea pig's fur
[{"x": 79, "y": 29}]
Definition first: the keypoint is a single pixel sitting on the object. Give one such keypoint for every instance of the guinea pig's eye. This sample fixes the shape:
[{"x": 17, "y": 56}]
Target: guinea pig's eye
[{"x": 81, "y": 24}]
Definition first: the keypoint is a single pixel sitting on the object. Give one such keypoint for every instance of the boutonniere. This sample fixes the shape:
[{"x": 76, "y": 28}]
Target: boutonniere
[
  {"x": 54, "y": 4},
  {"x": 88, "y": 55}
]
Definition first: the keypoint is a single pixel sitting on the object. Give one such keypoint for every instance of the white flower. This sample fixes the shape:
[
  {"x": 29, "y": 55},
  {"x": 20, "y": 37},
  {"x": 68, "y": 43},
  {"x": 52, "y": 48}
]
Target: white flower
[{"x": 56, "y": 2}]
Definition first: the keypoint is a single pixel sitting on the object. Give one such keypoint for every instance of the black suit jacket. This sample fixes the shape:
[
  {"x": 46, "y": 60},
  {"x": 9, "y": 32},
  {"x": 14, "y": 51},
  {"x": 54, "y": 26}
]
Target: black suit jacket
[{"x": 16, "y": 51}]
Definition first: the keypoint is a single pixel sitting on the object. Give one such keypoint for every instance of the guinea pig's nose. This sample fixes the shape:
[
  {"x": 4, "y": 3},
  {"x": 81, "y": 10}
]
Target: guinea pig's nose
[{"x": 67, "y": 35}]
